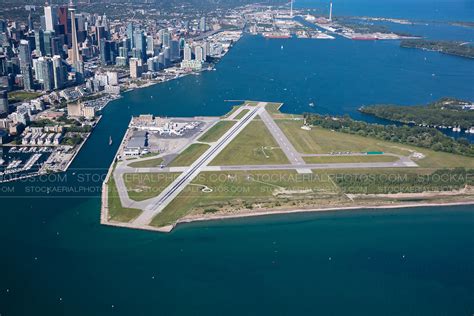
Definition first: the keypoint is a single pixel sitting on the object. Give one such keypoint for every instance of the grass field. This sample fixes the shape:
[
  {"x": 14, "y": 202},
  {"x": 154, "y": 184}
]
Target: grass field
[
  {"x": 350, "y": 159},
  {"x": 150, "y": 163},
  {"x": 241, "y": 189},
  {"x": 241, "y": 114},
  {"x": 253, "y": 146},
  {"x": 116, "y": 211},
  {"x": 189, "y": 155},
  {"x": 19, "y": 96},
  {"x": 216, "y": 132},
  {"x": 143, "y": 186},
  {"x": 323, "y": 141}
]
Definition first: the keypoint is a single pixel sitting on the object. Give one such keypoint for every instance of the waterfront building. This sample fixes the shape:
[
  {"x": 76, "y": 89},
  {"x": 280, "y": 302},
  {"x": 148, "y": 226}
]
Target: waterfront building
[
  {"x": 161, "y": 60},
  {"x": 206, "y": 50},
  {"x": 112, "y": 77},
  {"x": 78, "y": 109},
  {"x": 135, "y": 67},
  {"x": 199, "y": 53},
  {"x": 187, "y": 52},
  {"x": 194, "y": 64}
]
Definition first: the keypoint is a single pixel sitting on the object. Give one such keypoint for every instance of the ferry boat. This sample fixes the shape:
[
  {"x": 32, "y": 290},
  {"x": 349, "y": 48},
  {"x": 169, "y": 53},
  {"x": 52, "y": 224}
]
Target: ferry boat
[
  {"x": 276, "y": 35},
  {"x": 364, "y": 38}
]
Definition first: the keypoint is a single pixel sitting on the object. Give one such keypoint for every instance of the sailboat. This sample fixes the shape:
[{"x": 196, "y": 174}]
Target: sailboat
[{"x": 110, "y": 140}]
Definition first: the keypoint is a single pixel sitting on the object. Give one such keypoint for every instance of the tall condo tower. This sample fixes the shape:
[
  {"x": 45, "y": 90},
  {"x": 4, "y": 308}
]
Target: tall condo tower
[
  {"x": 291, "y": 8},
  {"x": 75, "y": 58},
  {"x": 330, "y": 11}
]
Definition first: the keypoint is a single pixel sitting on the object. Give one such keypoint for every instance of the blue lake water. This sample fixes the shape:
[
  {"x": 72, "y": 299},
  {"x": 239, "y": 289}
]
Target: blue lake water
[{"x": 57, "y": 259}]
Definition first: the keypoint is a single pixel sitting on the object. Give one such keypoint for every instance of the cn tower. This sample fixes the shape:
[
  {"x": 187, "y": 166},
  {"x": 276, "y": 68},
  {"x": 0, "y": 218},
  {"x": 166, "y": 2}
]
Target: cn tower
[
  {"x": 75, "y": 57},
  {"x": 330, "y": 11}
]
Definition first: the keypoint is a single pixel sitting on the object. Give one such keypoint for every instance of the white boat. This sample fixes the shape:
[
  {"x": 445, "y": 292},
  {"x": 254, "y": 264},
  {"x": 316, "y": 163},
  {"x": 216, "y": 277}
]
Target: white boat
[{"x": 311, "y": 104}]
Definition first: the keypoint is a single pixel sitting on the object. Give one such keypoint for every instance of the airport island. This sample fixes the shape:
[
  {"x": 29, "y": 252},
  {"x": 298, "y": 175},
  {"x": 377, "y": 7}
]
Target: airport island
[{"x": 256, "y": 160}]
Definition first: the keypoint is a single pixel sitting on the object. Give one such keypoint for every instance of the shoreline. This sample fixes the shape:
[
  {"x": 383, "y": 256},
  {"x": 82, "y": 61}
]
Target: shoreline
[
  {"x": 316, "y": 210},
  {"x": 184, "y": 221}
]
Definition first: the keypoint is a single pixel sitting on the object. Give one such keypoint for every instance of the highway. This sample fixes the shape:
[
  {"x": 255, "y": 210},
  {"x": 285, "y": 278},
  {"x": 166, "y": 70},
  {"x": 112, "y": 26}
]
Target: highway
[{"x": 156, "y": 205}]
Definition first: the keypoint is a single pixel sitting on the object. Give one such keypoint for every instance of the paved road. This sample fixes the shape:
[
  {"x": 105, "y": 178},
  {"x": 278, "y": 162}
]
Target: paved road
[
  {"x": 293, "y": 156},
  {"x": 156, "y": 205}
]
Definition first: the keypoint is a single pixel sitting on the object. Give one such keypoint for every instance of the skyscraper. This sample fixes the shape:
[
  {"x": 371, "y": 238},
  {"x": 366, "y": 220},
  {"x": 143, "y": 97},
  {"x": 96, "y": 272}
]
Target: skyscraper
[
  {"x": 140, "y": 43},
  {"x": 47, "y": 40},
  {"x": 75, "y": 57},
  {"x": 167, "y": 54},
  {"x": 25, "y": 64},
  {"x": 174, "y": 47},
  {"x": 24, "y": 53},
  {"x": 105, "y": 52},
  {"x": 150, "y": 47},
  {"x": 50, "y": 17},
  {"x": 45, "y": 69},
  {"x": 130, "y": 34},
  {"x": 39, "y": 39},
  {"x": 59, "y": 72},
  {"x": 30, "y": 23},
  {"x": 62, "y": 19},
  {"x": 166, "y": 39}
]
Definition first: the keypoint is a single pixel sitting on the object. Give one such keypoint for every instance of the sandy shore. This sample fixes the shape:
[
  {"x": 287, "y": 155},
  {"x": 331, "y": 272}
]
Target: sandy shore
[{"x": 191, "y": 219}]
